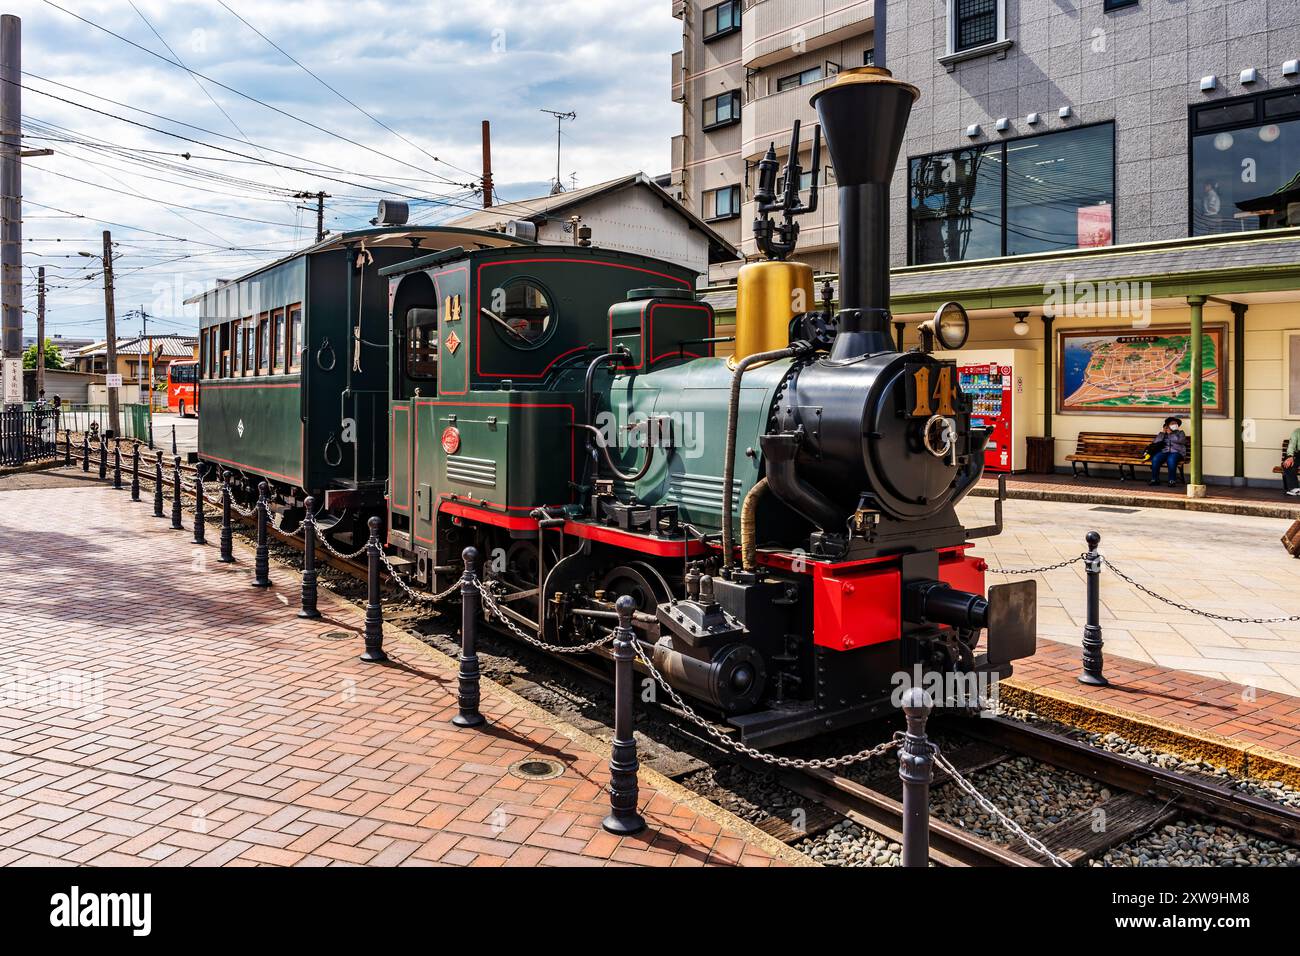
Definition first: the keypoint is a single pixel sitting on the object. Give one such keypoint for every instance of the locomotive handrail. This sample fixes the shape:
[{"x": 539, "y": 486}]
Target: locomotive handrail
[{"x": 989, "y": 530}]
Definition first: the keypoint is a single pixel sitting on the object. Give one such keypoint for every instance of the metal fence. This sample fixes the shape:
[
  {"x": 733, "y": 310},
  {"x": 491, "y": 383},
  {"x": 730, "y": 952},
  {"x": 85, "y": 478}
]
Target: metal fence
[
  {"x": 134, "y": 419},
  {"x": 28, "y": 434}
]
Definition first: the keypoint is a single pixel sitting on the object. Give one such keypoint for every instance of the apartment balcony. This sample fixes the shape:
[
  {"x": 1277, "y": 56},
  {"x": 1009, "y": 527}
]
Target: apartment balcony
[
  {"x": 776, "y": 30},
  {"x": 679, "y": 8},
  {"x": 771, "y": 118},
  {"x": 679, "y": 78}
]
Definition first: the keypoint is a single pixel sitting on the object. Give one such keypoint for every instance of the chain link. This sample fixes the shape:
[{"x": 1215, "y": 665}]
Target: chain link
[
  {"x": 1044, "y": 568},
  {"x": 411, "y": 592},
  {"x": 490, "y": 602},
  {"x": 988, "y": 807},
  {"x": 1197, "y": 611},
  {"x": 729, "y": 741},
  {"x": 324, "y": 542}
]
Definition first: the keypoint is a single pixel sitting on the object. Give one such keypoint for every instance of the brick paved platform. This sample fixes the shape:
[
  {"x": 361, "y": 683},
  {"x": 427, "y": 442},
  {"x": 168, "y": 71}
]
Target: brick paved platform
[
  {"x": 1219, "y": 499},
  {"x": 155, "y": 709},
  {"x": 1251, "y": 731}
]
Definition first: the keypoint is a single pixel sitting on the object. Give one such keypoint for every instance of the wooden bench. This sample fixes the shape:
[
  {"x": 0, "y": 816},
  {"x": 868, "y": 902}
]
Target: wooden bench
[{"x": 1114, "y": 448}]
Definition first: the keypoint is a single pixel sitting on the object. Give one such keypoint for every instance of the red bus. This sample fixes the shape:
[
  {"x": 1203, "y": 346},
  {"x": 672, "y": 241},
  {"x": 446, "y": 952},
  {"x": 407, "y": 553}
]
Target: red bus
[{"x": 183, "y": 387}]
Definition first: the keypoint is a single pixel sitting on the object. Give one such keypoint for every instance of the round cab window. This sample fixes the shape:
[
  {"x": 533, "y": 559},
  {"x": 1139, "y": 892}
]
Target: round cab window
[{"x": 521, "y": 312}]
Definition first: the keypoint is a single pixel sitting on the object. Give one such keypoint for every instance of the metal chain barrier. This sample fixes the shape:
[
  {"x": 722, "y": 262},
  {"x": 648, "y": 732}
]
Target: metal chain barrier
[
  {"x": 225, "y": 490},
  {"x": 1197, "y": 611},
  {"x": 490, "y": 602},
  {"x": 1044, "y": 568},
  {"x": 988, "y": 807},
  {"x": 413, "y": 594},
  {"x": 728, "y": 741},
  {"x": 324, "y": 542}
]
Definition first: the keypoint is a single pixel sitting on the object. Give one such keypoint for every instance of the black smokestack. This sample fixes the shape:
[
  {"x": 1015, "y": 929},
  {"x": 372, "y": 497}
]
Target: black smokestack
[{"x": 864, "y": 115}]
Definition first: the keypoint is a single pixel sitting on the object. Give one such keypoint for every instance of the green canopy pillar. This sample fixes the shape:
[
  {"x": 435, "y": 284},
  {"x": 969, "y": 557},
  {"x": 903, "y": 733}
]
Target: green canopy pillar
[{"x": 1196, "y": 486}]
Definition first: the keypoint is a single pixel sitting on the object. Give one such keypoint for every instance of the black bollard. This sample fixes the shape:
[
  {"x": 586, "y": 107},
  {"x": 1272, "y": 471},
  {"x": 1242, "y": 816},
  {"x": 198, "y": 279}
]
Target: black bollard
[
  {"x": 916, "y": 770},
  {"x": 261, "y": 563},
  {"x": 117, "y": 464},
  {"x": 176, "y": 495},
  {"x": 85, "y": 452},
  {"x": 103, "y": 457},
  {"x": 467, "y": 692},
  {"x": 67, "y": 447},
  {"x": 374, "y": 652},
  {"x": 158, "y": 487},
  {"x": 135, "y": 471},
  {"x": 1092, "y": 660},
  {"x": 309, "y": 563},
  {"x": 623, "y": 817},
  {"x": 173, "y": 439},
  {"x": 200, "y": 535},
  {"x": 227, "y": 538}
]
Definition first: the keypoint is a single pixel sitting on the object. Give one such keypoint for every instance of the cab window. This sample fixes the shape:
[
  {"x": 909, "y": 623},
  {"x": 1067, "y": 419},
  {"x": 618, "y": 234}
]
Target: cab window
[{"x": 422, "y": 343}]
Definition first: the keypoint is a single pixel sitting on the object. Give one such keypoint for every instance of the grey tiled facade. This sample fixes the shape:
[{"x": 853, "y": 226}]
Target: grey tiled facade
[{"x": 1140, "y": 66}]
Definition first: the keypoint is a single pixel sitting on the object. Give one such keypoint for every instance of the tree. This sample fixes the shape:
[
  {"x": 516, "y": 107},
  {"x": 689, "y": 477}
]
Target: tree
[{"x": 53, "y": 356}]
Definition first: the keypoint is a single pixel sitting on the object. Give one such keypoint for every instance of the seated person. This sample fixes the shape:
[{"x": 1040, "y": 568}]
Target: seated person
[
  {"x": 1168, "y": 448},
  {"x": 1290, "y": 481}
]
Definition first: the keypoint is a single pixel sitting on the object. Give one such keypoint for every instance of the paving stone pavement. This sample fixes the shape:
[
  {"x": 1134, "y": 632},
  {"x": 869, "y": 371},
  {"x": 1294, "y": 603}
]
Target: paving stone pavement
[
  {"x": 155, "y": 709},
  {"x": 1228, "y": 564}
]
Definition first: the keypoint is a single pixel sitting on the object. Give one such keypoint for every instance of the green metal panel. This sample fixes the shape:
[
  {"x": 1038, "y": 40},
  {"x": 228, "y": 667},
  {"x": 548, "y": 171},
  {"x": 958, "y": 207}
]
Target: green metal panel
[
  {"x": 253, "y": 424},
  {"x": 399, "y": 472}
]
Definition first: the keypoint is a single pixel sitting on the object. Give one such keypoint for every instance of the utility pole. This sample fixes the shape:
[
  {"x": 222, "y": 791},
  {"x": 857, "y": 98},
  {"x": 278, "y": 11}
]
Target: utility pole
[
  {"x": 11, "y": 186},
  {"x": 110, "y": 339},
  {"x": 40, "y": 332},
  {"x": 487, "y": 165},
  {"x": 320, "y": 198},
  {"x": 558, "y": 186}
]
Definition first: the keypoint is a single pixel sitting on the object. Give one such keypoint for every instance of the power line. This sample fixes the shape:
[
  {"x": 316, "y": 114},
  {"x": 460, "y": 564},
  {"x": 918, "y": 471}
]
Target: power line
[{"x": 250, "y": 98}]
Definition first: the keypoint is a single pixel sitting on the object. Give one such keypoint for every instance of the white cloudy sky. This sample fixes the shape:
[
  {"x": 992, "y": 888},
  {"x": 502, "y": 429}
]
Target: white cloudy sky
[{"x": 429, "y": 69}]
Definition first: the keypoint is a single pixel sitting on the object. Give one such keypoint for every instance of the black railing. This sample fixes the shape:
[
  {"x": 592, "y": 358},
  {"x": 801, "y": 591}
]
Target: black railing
[{"x": 28, "y": 434}]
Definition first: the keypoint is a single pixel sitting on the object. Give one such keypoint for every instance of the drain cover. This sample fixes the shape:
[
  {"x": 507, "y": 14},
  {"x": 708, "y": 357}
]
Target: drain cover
[
  {"x": 537, "y": 768},
  {"x": 1113, "y": 510},
  {"x": 335, "y": 635}
]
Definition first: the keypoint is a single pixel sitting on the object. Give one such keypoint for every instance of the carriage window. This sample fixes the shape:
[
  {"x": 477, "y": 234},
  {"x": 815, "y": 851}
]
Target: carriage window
[
  {"x": 521, "y": 312},
  {"x": 277, "y": 339},
  {"x": 295, "y": 336},
  {"x": 422, "y": 343},
  {"x": 250, "y": 356},
  {"x": 263, "y": 350},
  {"x": 224, "y": 332}
]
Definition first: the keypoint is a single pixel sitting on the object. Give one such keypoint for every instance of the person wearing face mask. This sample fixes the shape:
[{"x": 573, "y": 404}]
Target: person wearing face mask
[{"x": 1170, "y": 447}]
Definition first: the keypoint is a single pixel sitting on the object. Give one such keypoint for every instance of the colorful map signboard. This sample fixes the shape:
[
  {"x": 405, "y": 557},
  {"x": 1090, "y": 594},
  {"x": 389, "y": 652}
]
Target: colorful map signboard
[{"x": 1144, "y": 372}]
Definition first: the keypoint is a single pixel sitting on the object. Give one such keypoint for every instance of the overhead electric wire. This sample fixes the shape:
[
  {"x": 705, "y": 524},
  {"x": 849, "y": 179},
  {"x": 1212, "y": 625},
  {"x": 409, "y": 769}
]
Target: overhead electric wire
[{"x": 250, "y": 98}]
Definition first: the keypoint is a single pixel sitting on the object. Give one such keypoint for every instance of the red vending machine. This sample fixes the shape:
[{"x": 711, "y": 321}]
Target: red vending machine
[{"x": 1000, "y": 384}]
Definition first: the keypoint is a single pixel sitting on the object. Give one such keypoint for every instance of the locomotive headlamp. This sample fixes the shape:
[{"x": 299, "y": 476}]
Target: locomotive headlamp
[{"x": 950, "y": 324}]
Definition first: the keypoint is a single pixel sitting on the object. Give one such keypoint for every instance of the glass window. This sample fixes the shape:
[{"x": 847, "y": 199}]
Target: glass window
[
  {"x": 250, "y": 355},
  {"x": 422, "y": 343},
  {"x": 277, "y": 340},
  {"x": 722, "y": 110},
  {"x": 1061, "y": 191},
  {"x": 722, "y": 19},
  {"x": 722, "y": 203},
  {"x": 263, "y": 351},
  {"x": 803, "y": 78},
  {"x": 975, "y": 23},
  {"x": 294, "y": 348},
  {"x": 225, "y": 331},
  {"x": 869, "y": 57},
  {"x": 525, "y": 316},
  {"x": 956, "y": 205},
  {"x": 1246, "y": 165},
  {"x": 1035, "y": 194}
]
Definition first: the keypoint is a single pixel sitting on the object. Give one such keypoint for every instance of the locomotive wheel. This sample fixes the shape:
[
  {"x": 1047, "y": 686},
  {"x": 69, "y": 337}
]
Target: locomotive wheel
[{"x": 641, "y": 581}]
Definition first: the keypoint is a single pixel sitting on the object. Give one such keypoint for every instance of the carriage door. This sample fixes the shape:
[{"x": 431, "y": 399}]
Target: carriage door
[{"x": 418, "y": 344}]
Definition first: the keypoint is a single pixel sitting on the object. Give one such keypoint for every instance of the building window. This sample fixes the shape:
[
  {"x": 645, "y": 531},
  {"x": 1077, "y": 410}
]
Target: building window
[
  {"x": 869, "y": 57},
  {"x": 1246, "y": 164},
  {"x": 974, "y": 23},
  {"x": 1035, "y": 194},
  {"x": 805, "y": 182},
  {"x": 721, "y": 20},
  {"x": 722, "y": 203},
  {"x": 810, "y": 75},
  {"x": 1118, "y": 4},
  {"x": 722, "y": 110}
]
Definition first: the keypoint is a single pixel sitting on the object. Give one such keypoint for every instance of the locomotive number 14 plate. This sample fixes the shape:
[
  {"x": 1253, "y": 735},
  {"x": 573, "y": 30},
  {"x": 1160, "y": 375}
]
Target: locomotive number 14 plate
[{"x": 933, "y": 394}]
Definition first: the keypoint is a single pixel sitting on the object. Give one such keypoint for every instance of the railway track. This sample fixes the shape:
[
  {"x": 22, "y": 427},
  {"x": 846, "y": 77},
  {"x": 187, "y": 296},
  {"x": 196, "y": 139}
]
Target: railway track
[{"x": 1144, "y": 796}]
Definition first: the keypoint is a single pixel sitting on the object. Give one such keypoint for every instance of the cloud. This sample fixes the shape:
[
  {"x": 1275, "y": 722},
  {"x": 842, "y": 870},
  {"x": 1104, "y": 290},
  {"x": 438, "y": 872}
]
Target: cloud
[{"x": 431, "y": 70}]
